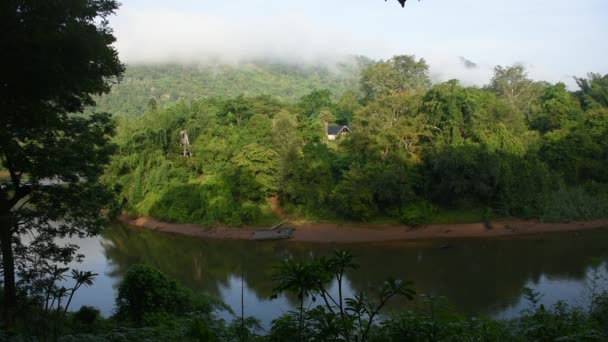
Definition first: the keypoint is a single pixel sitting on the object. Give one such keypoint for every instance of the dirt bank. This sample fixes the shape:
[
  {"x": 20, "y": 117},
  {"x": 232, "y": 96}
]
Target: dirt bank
[{"x": 353, "y": 233}]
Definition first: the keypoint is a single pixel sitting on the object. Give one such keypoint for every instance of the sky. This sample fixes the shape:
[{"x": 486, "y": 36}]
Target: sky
[{"x": 554, "y": 39}]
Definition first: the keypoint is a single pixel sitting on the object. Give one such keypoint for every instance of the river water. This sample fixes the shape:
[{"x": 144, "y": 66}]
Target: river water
[{"x": 478, "y": 276}]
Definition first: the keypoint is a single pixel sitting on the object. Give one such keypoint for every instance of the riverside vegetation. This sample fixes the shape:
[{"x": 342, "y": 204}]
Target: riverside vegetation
[
  {"x": 414, "y": 156},
  {"x": 150, "y": 306},
  {"x": 418, "y": 152}
]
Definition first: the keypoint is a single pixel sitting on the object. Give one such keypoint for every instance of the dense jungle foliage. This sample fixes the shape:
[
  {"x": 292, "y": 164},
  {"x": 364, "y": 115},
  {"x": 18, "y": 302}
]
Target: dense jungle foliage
[
  {"x": 257, "y": 134},
  {"x": 418, "y": 152}
]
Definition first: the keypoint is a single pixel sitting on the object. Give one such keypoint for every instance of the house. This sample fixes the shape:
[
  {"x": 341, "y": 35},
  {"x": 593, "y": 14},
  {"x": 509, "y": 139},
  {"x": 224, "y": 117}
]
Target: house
[{"x": 334, "y": 131}]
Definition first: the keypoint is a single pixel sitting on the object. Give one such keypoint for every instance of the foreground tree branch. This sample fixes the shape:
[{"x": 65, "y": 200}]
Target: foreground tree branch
[
  {"x": 57, "y": 55},
  {"x": 402, "y": 2}
]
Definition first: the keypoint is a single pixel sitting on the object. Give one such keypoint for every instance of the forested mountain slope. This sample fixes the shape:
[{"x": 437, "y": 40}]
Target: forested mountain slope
[
  {"x": 513, "y": 148},
  {"x": 160, "y": 85}
]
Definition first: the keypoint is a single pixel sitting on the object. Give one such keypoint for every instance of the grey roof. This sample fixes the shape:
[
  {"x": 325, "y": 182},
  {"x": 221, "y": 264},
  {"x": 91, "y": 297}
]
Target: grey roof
[{"x": 335, "y": 130}]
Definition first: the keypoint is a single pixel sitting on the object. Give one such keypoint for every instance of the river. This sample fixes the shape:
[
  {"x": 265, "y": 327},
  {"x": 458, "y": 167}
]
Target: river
[{"x": 478, "y": 276}]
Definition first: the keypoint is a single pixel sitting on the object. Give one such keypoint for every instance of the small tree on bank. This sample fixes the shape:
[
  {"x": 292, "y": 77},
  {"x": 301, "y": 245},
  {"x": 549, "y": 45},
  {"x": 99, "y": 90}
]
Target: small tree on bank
[{"x": 56, "y": 56}]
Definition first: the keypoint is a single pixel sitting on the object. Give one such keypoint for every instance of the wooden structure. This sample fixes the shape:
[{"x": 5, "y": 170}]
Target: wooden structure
[
  {"x": 274, "y": 233},
  {"x": 184, "y": 142}
]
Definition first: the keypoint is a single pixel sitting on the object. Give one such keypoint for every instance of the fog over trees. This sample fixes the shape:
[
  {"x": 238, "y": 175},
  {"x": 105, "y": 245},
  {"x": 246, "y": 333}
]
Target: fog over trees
[{"x": 249, "y": 142}]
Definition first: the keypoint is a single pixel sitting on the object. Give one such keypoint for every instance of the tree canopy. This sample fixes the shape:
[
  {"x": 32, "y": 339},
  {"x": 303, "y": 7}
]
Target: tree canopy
[
  {"x": 400, "y": 73},
  {"x": 416, "y": 150}
]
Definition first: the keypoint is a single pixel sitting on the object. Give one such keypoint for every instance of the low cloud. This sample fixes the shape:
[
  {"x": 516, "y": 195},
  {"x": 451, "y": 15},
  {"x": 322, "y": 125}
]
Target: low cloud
[
  {"x": 155, "y": 36},
  {"x": 445, "y": 68}
]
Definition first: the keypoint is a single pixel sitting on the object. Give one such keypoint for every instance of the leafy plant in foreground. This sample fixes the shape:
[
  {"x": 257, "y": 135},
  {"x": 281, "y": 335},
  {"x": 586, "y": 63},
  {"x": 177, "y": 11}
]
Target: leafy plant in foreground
[{"x": 337, "y": 317}]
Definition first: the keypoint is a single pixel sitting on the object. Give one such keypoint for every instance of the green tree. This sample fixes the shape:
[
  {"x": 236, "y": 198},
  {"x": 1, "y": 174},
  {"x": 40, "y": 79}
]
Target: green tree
[
  {"x": 400, "y": 73},
  {"x": 286, "y": 142},
  {"x": 377, "y": 80},
  {"x": 347, "y": 105},
  {"x": 314, "y": 102},
  {"x": 390, "y": 127},
  {"x": 57, "y": 55},
  {"x": 257, "y": 130},
  {"x": 236, "y": 111},
  {"x": 579, "y": 154},
  {"x": 593, "y": 90},
  {"x": 500, "y": 112},
  {"x": 412, "y": 74},
  {"x": 558, "y": 107},
  {"x": 261, "y": 162},
  {"x": 512, "y": 84},
  {"x": 310, "y": 179},
  {"x": 450, "y": 108},
  {"x": 144, "y": 292},
  {"x": 352, "y": 197},
  {"x": 460, "y": 176},
  {"x": 326, "y": 118}
]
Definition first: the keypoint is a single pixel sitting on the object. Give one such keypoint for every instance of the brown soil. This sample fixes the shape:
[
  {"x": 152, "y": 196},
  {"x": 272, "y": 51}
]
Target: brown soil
[
  {"x": 276, "y": 208},
  {"x": 356, "y": 233}
]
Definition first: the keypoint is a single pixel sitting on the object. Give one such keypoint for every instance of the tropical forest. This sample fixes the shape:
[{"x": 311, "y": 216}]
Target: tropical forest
[
  {"x": 177, "y": 172},
  {"x": 415, "y": 153}
]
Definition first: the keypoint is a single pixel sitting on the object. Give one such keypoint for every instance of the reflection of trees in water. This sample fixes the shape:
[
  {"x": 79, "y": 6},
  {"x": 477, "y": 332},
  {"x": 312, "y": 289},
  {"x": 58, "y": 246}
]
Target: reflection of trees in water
[
  {"x": 200, "y": 264},
  {"x": 196, "y": 263},
  {"x": 475, "y": 275},
  {"x": 478, "y": 275}
]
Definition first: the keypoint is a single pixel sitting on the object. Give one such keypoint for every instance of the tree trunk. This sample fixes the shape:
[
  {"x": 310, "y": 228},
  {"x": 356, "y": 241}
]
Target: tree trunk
[{"x": 8, "y": 267}]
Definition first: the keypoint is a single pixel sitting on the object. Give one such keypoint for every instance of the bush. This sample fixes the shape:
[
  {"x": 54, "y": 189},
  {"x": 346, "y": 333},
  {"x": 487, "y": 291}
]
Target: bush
[
  {"x": 146, "y": 292},
  {"x": 434, "y": 319},
  {"x": 178, "y": 203},
  {"x": 419, "y": 213},
  {"x": 249, "y": 212},
  {"x": 522, "y": 183},
  {"x": 461, "y": 176},
  {"x": 600, "y": 310},
  {"x": 352, "y": 198},
  {"x": 558, "y": 323},
  {"x": 86, "y": 315},
  {"x": 210, "y": 204},
  {"x": 574, "y": 203}
]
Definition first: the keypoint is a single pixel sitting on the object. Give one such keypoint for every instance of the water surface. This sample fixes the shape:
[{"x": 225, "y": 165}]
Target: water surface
[{"x": 478, "y": 276}]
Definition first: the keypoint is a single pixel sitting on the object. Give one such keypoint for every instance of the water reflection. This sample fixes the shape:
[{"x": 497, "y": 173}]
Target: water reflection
[{"x": 478, "y": 276}]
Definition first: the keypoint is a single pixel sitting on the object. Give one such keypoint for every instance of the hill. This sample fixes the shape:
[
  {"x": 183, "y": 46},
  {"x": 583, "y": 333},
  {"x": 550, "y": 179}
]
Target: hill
[{"x": 171, "y": 82}]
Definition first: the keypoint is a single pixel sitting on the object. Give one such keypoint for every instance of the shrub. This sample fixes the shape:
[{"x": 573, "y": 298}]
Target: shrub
[
  {"x": 522, "y": 183},
  {"x": 146, "y": 292},
  {"x": 419, "y": 213},
  {"x": 178, "y": 203},
  {"x": 86, "y": 315},
  {"x": 352, "y": 197},
  {"x": 574, "y": 203},
  {"x": 249, "y": 212},
  {"x": 600, "y": 310},
  {"x": 558, "y": 323}
]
